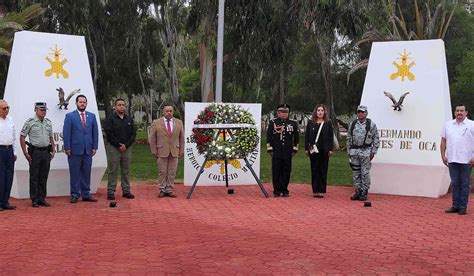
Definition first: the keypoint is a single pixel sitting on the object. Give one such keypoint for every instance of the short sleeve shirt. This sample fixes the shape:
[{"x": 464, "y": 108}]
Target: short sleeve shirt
[
  {"x": 459, "y": 141},
  {"x": 39, "y": 132}
]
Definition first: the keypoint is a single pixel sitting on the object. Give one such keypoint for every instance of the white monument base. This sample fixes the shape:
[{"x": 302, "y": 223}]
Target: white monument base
[
  {"x": 58, "y": 182},
  {"x": 409, "y": 180}
]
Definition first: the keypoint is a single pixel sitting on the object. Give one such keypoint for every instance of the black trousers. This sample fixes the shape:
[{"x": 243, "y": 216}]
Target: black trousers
[
  {"x": 319, "y": 171},
  {"x": 7, "y": 168},
  {"x": 39, "y": 171},
  {"x": 281, "y": 170}
]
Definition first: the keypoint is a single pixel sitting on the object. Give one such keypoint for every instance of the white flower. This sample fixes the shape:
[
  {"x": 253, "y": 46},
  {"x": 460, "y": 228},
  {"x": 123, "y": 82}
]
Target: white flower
[{"x": 227, "y": 150}]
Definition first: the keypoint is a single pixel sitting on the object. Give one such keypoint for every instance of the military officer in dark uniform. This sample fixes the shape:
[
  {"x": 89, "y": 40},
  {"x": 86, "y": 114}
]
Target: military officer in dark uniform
[
  {"x": 41, "y": 149},
  {"x": 282, "y": 144}
]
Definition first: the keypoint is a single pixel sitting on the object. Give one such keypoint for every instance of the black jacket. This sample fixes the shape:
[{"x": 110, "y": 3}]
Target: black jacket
[
  {"x": 326, "y": 137},
  {"x": 120, "y": 131},
  {"x": 283, "y": 144}
]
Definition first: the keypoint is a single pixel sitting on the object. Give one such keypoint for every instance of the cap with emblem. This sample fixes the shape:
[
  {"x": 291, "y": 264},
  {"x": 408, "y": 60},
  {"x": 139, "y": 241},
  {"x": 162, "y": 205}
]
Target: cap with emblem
[
  {"x": 362, "y": 108},
  {"x": 41, "y": 105},
  {"x": 283, "y": 107}
]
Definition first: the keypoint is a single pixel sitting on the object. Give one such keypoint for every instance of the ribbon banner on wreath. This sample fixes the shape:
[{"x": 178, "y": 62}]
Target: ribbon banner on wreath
[{"x": 205, "y": 124}]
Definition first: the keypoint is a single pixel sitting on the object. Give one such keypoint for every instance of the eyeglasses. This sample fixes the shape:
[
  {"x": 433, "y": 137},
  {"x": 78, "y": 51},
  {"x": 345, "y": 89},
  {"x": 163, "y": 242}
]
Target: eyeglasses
[{"x": 6, "y": 108}]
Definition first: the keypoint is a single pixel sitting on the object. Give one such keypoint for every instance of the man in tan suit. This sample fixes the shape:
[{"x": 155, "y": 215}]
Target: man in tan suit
[{"x": 167, "y": 145}]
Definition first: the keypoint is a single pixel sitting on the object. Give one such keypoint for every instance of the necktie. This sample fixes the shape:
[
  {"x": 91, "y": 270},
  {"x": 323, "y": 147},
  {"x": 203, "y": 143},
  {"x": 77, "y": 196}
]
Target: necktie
[
  {"x": 83, "y": 119},
  {"x": 169, "y": 127}
]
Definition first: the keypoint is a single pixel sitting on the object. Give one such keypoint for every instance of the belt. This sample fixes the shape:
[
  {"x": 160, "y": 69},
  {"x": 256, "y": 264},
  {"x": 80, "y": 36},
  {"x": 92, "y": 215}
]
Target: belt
[
  {"x": 38, "y": 148},
  {"x": 6, "y": 146}
]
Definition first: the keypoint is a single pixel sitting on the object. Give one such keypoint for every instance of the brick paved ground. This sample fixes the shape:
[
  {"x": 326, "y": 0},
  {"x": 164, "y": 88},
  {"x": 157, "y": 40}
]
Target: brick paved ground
[{"x": 244, "y": 233}]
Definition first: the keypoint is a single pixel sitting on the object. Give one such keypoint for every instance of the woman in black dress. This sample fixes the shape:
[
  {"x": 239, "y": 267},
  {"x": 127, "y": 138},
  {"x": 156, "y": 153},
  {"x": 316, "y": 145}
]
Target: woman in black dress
[{"x": 320, "y": 149}]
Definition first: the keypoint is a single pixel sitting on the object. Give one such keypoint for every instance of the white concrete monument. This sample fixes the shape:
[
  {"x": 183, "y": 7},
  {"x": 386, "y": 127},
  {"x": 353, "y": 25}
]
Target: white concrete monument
[
  {"x": 406, "y": 91},
  {"x": 214, "y": 174},
  {"x": 50, "y": 68}
]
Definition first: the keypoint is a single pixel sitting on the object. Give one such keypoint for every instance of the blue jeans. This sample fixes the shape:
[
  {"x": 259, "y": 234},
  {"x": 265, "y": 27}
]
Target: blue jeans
[{"x": 460, "y": 181}]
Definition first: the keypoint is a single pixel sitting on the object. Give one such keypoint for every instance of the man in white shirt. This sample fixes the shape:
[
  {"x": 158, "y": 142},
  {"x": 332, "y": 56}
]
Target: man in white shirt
[
  {"x": 7, "y": 155},
  {"x": 457, "y": 152}
]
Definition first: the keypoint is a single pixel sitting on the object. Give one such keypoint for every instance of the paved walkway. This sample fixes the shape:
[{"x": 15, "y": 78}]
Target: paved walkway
[{"x": 244, "y": 233}]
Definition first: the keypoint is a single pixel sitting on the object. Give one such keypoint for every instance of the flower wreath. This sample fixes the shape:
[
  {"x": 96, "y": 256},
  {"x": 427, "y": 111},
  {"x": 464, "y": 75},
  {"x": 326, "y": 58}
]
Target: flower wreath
[{"x": 245, "y": 139}]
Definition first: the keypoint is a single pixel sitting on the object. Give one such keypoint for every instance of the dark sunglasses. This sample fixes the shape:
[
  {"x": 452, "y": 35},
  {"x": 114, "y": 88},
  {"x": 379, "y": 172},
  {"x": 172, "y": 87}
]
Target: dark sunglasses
[
  {"x": 360, "y": 111},
  {"x": 283, "y": 111},
  {"x": 6, "y": 108}
]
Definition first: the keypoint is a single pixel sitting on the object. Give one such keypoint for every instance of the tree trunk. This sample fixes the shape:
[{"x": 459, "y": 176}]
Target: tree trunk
[
  {"x": 94, "y": 60},
  {"x": 259, "y": 82},
  {"x": 172, "y": 40},
  {"x": 140, "y": 77},
  {"x": 281, "y": 87},
  {"x": 205, "y": 62},
  {"x": 325, "y": 52}
]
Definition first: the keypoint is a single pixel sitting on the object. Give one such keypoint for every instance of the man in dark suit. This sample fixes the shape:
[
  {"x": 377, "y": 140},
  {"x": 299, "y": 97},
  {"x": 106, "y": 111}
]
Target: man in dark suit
[
  {"x": 282, "y": 144},
  {"x": 81, "y": 138}
]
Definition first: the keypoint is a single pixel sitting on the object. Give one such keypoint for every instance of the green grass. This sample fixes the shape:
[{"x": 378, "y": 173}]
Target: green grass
[{"x": 144, "y": 166}]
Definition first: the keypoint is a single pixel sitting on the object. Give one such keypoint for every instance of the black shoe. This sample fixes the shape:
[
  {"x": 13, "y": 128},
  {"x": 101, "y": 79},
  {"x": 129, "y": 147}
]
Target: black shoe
[
  {"x": 173, "y": 195},
  {"x": 356, "y": 196},
  {"x": 110, "y": 197},
  {"x": 320, "y": 196},
  {"x": 73, "y": 200},
  {"x": 452, "y": 210},
  {"x": 128, "y": 195},
  {"x": 44, "y": 203},
  {"x": 9, "y": 207},
  {"x": 286, "y": 195},
  {"x": 1, "y": 209},
  {"x": 89, "y": 199},
  {"x": 35, "y": 204},
  {"x": 162, "y": 194},
  {"x": 363, "y": 196},
  {"x": 462, "y": 211},
  {"x": 276, "y": 195}
]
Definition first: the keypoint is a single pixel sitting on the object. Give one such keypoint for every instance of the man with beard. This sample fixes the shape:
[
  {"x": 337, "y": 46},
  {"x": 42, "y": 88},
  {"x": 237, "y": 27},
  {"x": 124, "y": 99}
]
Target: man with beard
[{"x": 81, "y": 138}]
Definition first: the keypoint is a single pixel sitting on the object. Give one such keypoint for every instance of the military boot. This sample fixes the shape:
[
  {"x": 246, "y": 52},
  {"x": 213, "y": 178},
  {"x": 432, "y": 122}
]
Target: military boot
[
  {"x": 356, "y": 196},
  {"x": 363, "y": 196}
]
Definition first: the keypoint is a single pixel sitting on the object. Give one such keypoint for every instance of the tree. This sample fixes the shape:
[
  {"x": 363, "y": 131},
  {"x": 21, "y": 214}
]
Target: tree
[
  {"x": 170, "y": 18},
  {"x": 463, "y": 87},
  {"x": 428, "y": 22},
  {"x": 9, "y": 24},
  {"x": 335, "y": 24}
]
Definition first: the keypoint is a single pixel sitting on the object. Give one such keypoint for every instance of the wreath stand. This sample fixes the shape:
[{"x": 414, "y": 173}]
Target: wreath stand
[{"x": 225, "y": 130}]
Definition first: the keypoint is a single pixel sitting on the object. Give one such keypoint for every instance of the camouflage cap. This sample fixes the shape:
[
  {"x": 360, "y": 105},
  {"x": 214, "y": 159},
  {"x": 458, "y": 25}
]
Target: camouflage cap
[{"x": 41, "y": 105}]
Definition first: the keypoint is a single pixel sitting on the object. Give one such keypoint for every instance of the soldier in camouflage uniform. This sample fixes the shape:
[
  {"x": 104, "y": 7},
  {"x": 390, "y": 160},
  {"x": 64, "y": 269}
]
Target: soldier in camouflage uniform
[
  {"x": 282, "y": 144},
  {"x": 40, "y": 151},
  {"x": 362, "y": 145}
]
